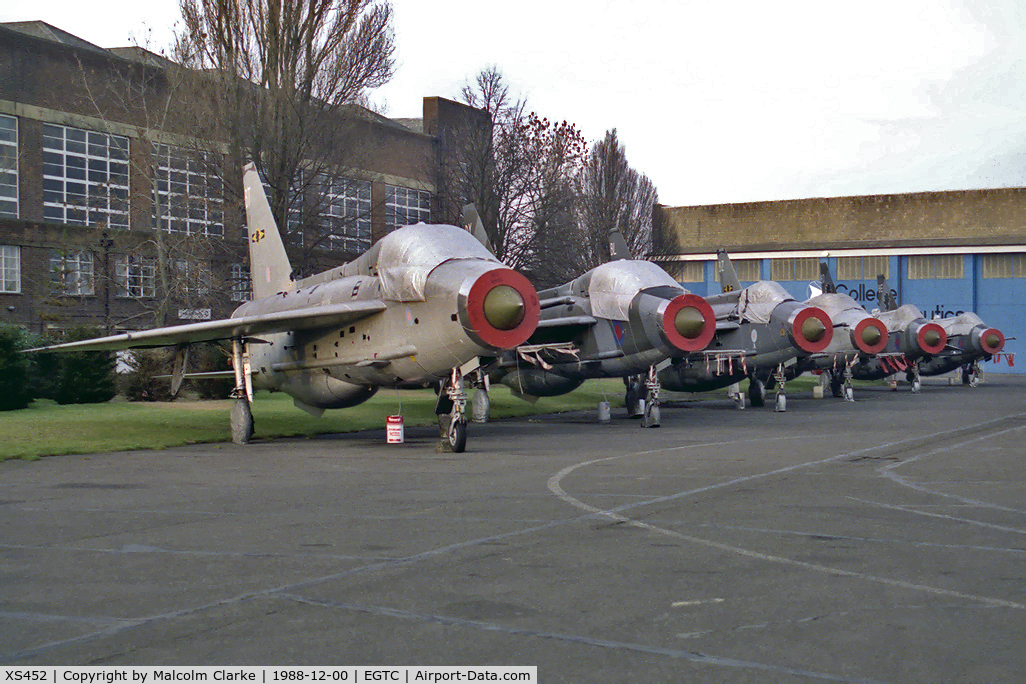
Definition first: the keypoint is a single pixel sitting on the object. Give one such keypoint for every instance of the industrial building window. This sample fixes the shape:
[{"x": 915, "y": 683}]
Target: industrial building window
[
  {"x": 191, "y": 278},
  {"x": 241, "y": 290},
  {"x": 863, "y": 268},
  {"x": 10, "y": 268},
  {"x": 1004, "y": 265},
  {"x": 794, "y": 268},
  {"x": 939, "y": 266},
  {"x": 748, "y": 270},
  {"x": 85, "y": 177},
  {"x": 685, "y": 271},
  {"x": 347, "y": 212},
  {"x": 188, "y": 197},
  {"x": 8, "y": 166},
  {"x": 135, "y": 276},
  {"x": 406, "y": 206},
  {"x": 72, "y": 272}
]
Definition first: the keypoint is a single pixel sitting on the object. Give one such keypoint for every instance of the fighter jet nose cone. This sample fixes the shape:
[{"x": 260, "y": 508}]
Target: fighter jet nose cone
[
  {"x": 870, "y": 335},
  {"x": 689, "y": 322},
  {"x": 813, "y": 329},
  {"x": 993, "y": 341},
  {"x": 932, "y": 338},
  {"x": 504, "y": 308}
]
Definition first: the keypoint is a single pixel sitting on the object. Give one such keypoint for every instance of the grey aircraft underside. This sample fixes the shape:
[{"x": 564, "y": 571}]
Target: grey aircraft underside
[
  {"x": 761, "y": 330},
  {"x": 620, "y": 319},
  {"x": 417, "y": 309}
]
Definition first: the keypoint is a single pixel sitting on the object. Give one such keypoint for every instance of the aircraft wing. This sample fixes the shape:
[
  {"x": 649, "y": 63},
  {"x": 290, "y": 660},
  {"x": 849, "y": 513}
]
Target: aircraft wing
[{"x": 308, "y": 318}]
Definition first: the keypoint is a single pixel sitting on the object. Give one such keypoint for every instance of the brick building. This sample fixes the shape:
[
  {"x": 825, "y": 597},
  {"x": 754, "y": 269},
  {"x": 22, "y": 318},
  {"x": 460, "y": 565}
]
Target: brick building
[
  {"x": 945, "y": 252},
  {"x": 96, "y": 180}
]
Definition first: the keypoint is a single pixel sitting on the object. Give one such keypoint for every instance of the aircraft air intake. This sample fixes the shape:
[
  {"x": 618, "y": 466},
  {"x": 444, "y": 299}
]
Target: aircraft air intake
[
  {"x": 931, "y": 338},
  {"x": 689, "y": 323},
  {"x": 499, "y": 309},
  {"x": 811, "y": 329},
  {"x": 870, "y": 335},
  {"x": 987, "y": 341}
]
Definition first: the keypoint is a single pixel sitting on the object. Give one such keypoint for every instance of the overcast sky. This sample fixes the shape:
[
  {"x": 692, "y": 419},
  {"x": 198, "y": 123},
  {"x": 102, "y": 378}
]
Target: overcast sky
[{"x": 716, "y": 102}]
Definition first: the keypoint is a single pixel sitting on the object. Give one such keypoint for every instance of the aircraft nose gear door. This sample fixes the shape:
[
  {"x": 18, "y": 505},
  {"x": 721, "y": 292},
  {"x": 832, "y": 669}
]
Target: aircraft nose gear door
[
  {"x": 452, "y": 401},
  {"x": 241, "y": 415}
]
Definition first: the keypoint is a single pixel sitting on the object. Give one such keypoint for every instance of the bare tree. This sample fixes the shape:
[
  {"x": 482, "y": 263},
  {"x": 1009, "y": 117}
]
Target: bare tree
[
  {"x": 614, "y": 196},
  {"x": 280, "y": 79},
  {"x": 521, "y": 178}
]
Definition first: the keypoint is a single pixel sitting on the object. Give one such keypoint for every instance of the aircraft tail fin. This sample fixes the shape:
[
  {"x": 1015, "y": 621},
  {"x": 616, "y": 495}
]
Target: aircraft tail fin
[
  {"x": 728, "y": 276},
  {"x": 884, "y": 294},
  {"x": 268, "y": 263},
  {"x": 825, "y": 278},
  {"x": 475, "y": 226},
  {"x": 618, "y": 248}
]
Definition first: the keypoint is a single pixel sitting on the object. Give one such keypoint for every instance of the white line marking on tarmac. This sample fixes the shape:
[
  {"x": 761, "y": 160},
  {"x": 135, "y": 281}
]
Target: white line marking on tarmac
[{"x": 615, "y": 514}]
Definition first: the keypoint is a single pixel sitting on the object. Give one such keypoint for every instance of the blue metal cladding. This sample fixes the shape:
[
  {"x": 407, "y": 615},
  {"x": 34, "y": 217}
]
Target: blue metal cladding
[{"x": 1000, "y": 302}]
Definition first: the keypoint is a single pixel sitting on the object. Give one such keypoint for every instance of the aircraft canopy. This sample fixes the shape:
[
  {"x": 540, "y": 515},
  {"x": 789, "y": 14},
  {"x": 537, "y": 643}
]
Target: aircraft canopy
[
  {"x": 758, "y": 300},
  {"x": 408, "y": 255},
  {"x": 613, "y": 285}
]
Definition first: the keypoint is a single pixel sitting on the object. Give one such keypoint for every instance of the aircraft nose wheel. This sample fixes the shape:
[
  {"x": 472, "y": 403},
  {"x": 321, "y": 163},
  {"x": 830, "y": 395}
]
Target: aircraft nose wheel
[
  {"x": 452, "y": 401},
  {"x": 458, "y": 434}
]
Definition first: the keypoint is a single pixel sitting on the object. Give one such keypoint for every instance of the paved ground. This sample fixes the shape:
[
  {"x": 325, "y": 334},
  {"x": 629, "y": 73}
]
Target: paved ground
[{"x": 878, "y": 540}]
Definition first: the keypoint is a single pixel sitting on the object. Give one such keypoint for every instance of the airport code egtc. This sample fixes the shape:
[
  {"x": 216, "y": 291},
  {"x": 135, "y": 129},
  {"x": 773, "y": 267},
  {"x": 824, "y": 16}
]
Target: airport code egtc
[{"x": 269, "y": 675}]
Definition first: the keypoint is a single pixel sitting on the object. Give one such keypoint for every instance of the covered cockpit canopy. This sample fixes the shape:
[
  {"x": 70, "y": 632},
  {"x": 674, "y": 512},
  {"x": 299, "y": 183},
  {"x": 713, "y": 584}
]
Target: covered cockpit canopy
[
  {"x": 615, "y": 284},
  {"x": 757, "y": 301},
  {"x": 835, "y": 303},
  {"x": 900, "y": 318},
  {"x": 408, "y": 255},
  {"x": 961, "y": 323}
]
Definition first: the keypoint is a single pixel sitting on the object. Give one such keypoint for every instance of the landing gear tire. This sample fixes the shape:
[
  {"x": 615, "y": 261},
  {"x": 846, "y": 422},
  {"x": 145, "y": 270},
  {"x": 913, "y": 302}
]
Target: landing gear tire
[
  {"x": 242, "y": 421},
  {"x": 458, "y": 436},
  {"x": 756, "y": 392},
  {"x": 632, "y": 396},
  {"x": 837, "y": 384}
]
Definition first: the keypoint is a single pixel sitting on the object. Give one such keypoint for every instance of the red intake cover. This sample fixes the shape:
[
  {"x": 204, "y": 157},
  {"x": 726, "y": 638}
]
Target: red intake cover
[
  {"x": 871, "y": 323},
  {"x": 670, "y": 328},
  {"x": 489, "y": 335},
  {"x": 796, "y": 329}
]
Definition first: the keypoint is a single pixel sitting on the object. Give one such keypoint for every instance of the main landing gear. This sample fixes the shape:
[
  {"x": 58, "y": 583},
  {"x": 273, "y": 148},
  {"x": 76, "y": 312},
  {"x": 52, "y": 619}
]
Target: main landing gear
[
  {"x": 632, "y": 396},
  {"x": 241, "y": 415},
  {"x": 971, "y": 374}
]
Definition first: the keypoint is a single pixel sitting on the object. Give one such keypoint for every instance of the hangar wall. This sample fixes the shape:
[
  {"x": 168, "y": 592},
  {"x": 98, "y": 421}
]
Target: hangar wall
[{"x": 945, "y": 252}]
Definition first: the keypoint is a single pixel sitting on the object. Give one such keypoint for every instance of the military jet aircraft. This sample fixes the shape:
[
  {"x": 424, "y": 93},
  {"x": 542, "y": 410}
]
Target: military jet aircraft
[
  {"x": 862, "y": 336},
  {"x": 970, "y": 341},
  {"x": 962, "y": 341},
  {"x": 760, "y": 331},
  {"x": 619, "y": 319},
  {"x": 911, "y": 340},
  {"x": 418, "y": 308}
]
